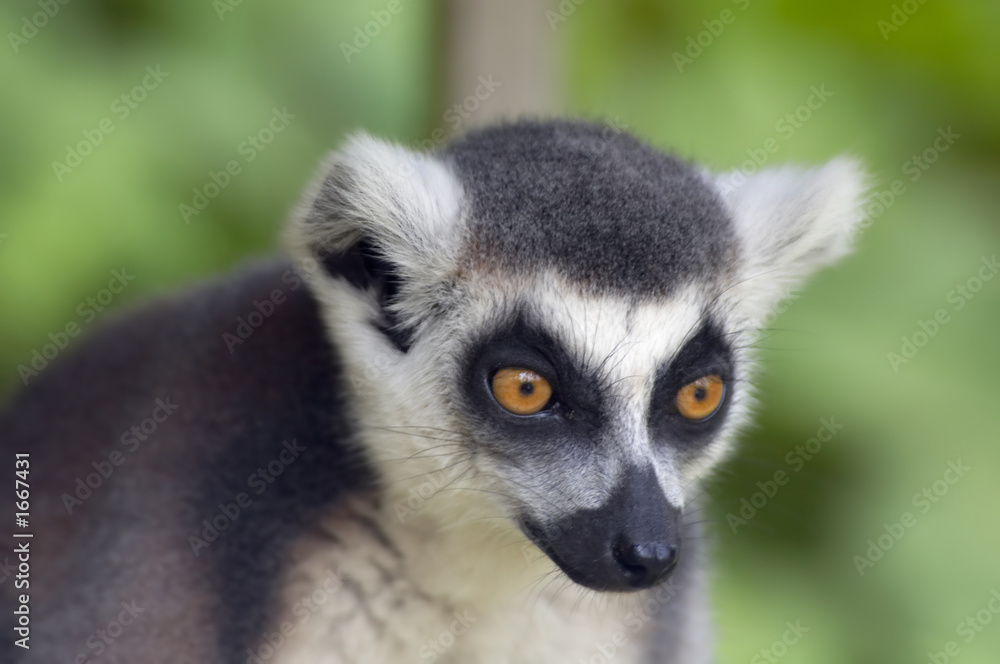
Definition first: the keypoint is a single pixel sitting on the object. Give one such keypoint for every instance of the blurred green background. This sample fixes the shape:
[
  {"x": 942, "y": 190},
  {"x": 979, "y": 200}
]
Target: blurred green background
[{"x": 892, "y": 93}]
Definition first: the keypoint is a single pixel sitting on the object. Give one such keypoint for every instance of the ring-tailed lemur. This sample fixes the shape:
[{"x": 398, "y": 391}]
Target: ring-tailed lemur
[{"x": 467, "y": 421}]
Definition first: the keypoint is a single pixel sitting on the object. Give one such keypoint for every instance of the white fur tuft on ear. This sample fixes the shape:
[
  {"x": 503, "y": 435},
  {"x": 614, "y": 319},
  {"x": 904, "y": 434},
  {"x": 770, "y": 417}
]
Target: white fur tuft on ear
[
  {"x": 790, "y": 222},
  {"x": 404, "y": 203}
]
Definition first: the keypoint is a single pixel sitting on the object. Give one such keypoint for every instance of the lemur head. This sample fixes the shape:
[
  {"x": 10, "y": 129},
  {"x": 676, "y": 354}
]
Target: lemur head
[{"x": 560, "y": 316}]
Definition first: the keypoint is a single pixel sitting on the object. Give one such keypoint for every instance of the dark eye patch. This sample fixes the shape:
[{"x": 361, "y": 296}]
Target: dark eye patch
[
  {"x": 578, "y": 397},
  {"x": 706, "y": 353},
  {"x": 581, "y": 401}
]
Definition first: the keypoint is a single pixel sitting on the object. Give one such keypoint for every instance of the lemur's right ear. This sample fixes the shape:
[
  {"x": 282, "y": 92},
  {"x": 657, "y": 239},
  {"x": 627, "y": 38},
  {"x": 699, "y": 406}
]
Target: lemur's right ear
[
  {"x": 790, "y": 222},
  {"x": 384, "y": 219}
]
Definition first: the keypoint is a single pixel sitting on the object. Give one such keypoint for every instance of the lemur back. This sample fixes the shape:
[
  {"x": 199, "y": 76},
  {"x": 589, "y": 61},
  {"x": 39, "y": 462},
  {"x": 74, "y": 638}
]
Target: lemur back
[{"x": 468, "y": 419}]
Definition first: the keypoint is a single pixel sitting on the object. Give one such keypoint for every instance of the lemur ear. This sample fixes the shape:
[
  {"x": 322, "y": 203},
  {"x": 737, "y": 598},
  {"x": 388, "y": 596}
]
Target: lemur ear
[
  {"x": 382, "y": 218},
  {"x": 402, "y": 203},
  {"x": 790, "y": 222}
]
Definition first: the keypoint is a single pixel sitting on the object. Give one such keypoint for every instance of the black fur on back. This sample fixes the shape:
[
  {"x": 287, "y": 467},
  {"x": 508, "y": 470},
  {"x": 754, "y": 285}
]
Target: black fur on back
[
  {"x": 300, "y": 397},
  {"x": 238, "y": 403},
  {"x": 594, "y": 203}
]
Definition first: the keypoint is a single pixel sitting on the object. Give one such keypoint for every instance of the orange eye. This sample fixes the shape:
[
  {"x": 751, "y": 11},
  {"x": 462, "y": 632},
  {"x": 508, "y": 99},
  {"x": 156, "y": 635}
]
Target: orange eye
[
  {"x": 521, "y": 391},
  {"x": 700, "y": 399}
]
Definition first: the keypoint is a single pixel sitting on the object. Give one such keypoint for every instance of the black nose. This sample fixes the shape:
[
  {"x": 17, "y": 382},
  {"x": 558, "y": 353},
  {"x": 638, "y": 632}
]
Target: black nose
[{"x": 645, "y": 563}]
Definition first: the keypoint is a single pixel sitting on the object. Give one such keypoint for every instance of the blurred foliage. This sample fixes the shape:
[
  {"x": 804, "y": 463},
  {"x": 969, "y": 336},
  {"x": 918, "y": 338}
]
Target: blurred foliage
[{"x": 825, "y": 357}]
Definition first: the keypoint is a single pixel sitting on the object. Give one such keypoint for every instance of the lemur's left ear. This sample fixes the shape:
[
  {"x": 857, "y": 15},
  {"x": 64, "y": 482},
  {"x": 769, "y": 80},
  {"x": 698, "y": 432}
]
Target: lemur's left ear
[
  {"x": 790, "y": 222},
  {"x": 381, "y": 218}
]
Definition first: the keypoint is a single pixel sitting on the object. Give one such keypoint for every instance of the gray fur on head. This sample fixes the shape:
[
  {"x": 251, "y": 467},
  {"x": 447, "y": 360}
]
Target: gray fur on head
[
  {"x": 622, "y": 271},
  {"x": 595, "y": 204}
]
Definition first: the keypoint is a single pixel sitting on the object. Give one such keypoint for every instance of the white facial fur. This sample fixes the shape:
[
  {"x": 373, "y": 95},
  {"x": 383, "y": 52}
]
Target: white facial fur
[
  {"x": 443, "y": 498},
  {"x": 789, "y": 222}
]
